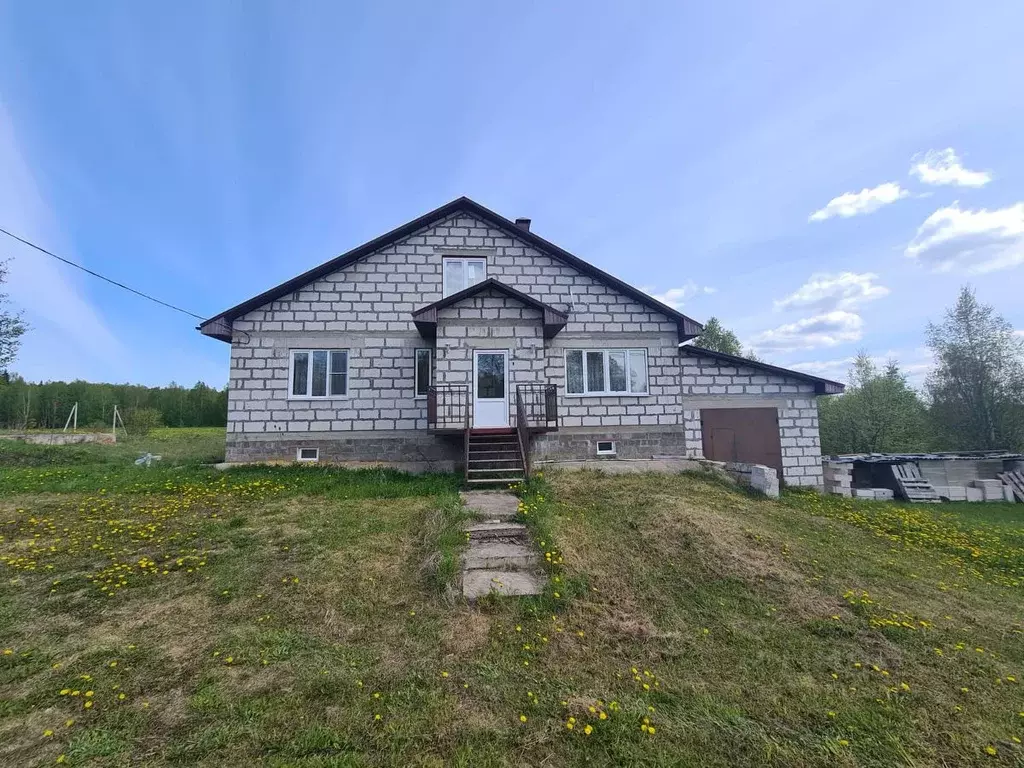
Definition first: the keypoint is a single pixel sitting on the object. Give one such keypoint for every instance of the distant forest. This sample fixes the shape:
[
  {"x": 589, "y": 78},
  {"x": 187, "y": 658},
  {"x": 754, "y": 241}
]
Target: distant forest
[{"x": 24, "y": 405}]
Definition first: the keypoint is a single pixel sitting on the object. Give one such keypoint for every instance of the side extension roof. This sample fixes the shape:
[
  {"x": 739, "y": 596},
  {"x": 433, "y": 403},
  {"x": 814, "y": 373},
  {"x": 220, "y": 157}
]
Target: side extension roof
[
  {"x": 219, "y": 326},
  {"x": 821, "y": 386}
]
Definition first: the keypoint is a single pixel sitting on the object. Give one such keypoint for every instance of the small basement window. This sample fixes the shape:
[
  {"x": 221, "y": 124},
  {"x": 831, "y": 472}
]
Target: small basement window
[
  {"x": 605, "y": 448},
  {"x": 307, "y": 454}
]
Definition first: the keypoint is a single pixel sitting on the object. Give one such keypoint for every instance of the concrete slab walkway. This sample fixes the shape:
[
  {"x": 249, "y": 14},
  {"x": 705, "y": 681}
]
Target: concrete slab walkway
[{"x": 500, "y": 557}]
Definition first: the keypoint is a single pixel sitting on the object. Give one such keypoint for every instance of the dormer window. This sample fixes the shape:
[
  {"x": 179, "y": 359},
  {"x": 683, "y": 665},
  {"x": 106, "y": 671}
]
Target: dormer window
[{"x": 460, "y": 273}]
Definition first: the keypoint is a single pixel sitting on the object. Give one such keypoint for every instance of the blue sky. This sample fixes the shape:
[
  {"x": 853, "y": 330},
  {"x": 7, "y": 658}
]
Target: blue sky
[{"x": 823, "y": 177}]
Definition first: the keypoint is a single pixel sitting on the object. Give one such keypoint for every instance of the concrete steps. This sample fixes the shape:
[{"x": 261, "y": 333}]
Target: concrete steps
[{"x": 501, "y": 557}]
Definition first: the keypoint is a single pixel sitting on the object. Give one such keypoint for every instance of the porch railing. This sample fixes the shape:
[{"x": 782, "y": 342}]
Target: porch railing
[
  {"x": 537, "y": 406},
  {"x": 523, "y": 431},
  {"x": 448, "y": 406}
]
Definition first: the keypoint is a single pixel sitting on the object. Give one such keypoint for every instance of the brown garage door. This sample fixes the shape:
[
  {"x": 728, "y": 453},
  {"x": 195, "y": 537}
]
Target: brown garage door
[{"x": 749, "y": 435}]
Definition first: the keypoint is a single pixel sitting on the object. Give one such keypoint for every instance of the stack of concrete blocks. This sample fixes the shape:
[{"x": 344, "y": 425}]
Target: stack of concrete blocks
[
  {"x": 873, "y": 494},
  {"x": 952, "y": 492},
  {"x": 838, "y": 478},
  {"x": 883, "y": 494},
  {"x": 765, "y": 479},
  {"x": 757, "y": 476},
  {"x": 991, "y": 490}
]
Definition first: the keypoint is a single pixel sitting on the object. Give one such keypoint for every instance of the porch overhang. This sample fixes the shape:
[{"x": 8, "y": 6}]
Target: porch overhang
[{"x": 425, "y": 318}]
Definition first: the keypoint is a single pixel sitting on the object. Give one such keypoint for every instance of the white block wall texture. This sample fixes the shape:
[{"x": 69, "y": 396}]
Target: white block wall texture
[
  {"x": 366, "y": 308},
  {"x": 707, "y": 383}
]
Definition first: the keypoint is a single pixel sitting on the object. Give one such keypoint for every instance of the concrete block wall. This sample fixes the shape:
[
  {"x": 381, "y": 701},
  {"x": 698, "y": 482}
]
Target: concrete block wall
[
  {"x": 366, "y": 308},
  {"x": 708, "y": 383},
  {"x": 490, "y": 320}
]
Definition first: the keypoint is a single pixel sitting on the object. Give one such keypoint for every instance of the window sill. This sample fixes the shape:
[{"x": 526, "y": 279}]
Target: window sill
[{"x": 315, "y": 399}]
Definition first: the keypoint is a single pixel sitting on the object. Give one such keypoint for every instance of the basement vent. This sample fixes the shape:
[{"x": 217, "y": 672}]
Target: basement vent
[
  {"x": 605, "y": 448},
  {"x": 307, "y": 454}
]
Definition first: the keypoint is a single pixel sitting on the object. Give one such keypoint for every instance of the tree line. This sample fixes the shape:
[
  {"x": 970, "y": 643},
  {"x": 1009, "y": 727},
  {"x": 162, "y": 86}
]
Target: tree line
[
  {"x": 25, "y": 405},
  {"x": 973, "y": 399}
]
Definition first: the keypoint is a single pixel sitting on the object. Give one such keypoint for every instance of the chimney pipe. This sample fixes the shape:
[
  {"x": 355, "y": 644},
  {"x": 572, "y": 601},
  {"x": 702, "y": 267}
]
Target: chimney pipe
[{"x": 523, "y": 224}]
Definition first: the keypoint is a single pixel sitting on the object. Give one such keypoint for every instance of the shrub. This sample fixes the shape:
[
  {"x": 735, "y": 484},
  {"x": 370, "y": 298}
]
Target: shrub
[{"x": 139, "y": 422}]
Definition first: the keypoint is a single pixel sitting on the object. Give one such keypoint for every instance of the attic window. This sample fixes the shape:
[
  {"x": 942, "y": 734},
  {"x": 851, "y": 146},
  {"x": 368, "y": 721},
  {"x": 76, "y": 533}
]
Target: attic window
[
  {"x": 460, "y": 273},
  {"x": 605, "y": 447},
  {"x": 307, "y": 454}
]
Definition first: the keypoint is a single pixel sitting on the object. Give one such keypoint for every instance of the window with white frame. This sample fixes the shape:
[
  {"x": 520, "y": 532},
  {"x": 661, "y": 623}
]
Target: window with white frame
[
  {"x": 318, "y": 373},
  {"x": 606, "y": 372},
  {"x": 461, "y": 273},
  {"x": 422, "y": 372}
]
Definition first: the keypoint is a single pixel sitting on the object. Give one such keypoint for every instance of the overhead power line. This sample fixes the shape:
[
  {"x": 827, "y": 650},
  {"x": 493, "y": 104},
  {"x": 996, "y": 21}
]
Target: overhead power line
[{"x": 101, "y": 277}]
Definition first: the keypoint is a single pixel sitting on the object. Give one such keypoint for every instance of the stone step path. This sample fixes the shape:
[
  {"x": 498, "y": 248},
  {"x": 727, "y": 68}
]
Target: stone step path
[{"x": 500, "y": 557}]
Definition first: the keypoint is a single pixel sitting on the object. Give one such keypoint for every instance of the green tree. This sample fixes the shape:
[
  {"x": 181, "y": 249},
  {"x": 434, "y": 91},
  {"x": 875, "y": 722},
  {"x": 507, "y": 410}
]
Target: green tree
[
  {"x": 12, "y": 327},
  {"x": 878, "y": 413},
  {"x": 977, "y": 387},
  {"x": 717, "y": 338}
]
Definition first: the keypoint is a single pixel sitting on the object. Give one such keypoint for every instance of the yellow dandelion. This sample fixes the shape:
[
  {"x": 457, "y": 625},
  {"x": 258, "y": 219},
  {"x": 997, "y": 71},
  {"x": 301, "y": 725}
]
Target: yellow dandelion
[
  {"x": 522, "y": 718},
  {"x": 991, "y": 750},
  {"x": 589, "y": 729},
  {"x": 47, "y": 733}
]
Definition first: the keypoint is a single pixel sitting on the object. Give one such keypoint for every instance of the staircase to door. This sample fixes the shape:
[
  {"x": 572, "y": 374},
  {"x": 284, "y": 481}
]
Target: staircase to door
[{"x": 494, "y": 456}]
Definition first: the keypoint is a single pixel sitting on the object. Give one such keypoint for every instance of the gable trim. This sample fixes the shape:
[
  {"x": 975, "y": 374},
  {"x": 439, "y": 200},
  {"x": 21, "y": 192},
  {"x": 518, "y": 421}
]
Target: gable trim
[
  {"x": 821, "y": 386},
  {"x": 688, "y": 328},
  {"x": 425, "y": 318}
]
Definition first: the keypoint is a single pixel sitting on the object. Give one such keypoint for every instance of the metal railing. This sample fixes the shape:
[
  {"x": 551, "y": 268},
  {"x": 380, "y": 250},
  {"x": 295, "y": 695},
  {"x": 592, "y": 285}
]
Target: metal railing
[
  {"x": 448, "y": 406},
  {"x": 523, "y": 431},
  {"x": 537, "y": 406}
]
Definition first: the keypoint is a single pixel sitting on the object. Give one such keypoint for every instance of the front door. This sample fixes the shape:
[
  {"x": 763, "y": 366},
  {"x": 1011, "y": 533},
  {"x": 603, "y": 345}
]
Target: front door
[{"x": 490, "y": 388}]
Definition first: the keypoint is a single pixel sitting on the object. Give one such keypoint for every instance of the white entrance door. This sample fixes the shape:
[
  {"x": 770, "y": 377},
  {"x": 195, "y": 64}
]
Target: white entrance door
[{"x": 490, "y": 388}]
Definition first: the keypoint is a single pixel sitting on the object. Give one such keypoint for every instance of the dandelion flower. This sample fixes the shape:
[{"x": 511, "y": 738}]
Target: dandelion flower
[
  {"x": 589, "y": 729},
  {"x": 522, "y": 718},
  {"x": 991, "y": 750},
  {"x": 47, "y": 733}
]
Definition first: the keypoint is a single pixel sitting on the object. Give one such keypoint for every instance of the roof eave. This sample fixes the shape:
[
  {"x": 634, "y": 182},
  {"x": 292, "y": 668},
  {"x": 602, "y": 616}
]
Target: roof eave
[
  {"x": 821, "y": 386},
  {"x": 689, "y": 328}
]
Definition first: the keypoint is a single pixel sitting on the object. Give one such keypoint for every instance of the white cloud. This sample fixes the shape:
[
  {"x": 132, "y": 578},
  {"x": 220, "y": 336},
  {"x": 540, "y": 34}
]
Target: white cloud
[
  {"x": 676, "y": 297},
  {"x": 978, "y": 241},
  {"x": 865, "y": 201},
  {"x": 824, "y": 292},
  {"x": 67, "y": 337},
  {"x": 944, "y": 167},
  {"x": 825, "y": 330}
]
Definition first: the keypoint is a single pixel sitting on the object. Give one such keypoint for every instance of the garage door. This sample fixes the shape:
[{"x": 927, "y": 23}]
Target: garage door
[{"x": 750, "y": 435}]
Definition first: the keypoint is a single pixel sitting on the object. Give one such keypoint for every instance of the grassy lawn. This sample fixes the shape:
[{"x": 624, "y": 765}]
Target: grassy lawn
[{"x": 303, "y": 616}]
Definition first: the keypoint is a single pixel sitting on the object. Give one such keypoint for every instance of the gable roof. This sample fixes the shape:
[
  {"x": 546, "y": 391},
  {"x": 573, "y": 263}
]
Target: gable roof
[
  {"x": 425, "y": 318},
  {"x": 821, "y": 386},
  {"x": 219, "y": 324}
]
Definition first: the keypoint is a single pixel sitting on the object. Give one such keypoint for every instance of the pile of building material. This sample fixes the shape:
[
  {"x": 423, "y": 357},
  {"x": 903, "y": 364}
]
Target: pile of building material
[
  {"x": 1014, "y": 480},
  {"x": 873, "y": 494},
  {"x": 971, "y": 476},
  {"x": 838, "y": 478}
]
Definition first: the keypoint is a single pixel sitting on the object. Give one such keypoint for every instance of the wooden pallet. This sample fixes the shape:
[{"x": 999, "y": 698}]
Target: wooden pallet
[
  {"x": 1016, "y": 481},
  {"x": 913, "y": 487}
]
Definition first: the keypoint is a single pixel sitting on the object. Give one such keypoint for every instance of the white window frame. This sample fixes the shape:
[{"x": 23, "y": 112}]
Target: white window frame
[
  {"x": 465, "y": 261},
  {"x": 587, "y": 392},
  {"x": 309, "y": 374},
  {"x": 609, "y": 452},
  {"x": 299, "y": 456},
  {"x": 416, "y": 372}
]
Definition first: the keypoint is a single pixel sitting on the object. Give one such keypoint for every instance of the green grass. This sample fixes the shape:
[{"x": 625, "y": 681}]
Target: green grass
[{"x": 301, "y": 603}]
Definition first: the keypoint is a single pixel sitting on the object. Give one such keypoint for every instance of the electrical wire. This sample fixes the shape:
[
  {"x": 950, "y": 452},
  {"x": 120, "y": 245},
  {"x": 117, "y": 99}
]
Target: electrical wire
[{"x": 101, "y": 277}]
